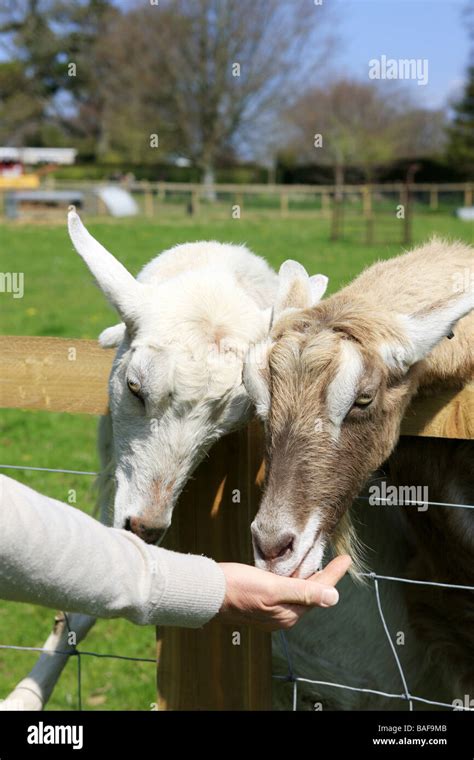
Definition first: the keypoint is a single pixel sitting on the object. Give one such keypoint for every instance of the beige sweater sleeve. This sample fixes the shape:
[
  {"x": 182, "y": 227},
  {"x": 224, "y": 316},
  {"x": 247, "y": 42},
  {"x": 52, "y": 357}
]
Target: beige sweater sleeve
[{"x": 57, "y": 556}]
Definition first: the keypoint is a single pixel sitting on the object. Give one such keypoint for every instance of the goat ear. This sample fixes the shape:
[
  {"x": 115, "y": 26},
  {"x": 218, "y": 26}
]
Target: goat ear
[
  {"x": 296, "y": 290},
  {"x": 119, "y": 286},
  {"x": 424, "y": 329},
  {"x": 256, "y": 376},
  {"x": 112, "y": 336},
  {"x": 317, "y": 285}
]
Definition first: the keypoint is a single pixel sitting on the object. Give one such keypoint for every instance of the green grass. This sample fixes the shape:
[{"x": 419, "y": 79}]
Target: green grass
[{"x": 60, "y": 299}]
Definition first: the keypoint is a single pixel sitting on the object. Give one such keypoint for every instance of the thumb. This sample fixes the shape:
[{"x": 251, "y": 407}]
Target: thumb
[
  {"x": 319, "y": 589},
  {"x": 334, "y": 571}
]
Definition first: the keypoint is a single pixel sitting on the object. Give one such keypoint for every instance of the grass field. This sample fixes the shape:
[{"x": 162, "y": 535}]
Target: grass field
[{"x": 60, "y": 299}]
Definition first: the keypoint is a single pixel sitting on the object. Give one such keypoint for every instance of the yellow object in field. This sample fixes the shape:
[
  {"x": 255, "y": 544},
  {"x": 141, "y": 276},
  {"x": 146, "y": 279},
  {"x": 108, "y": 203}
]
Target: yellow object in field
[{"x": 22, "y": 182}]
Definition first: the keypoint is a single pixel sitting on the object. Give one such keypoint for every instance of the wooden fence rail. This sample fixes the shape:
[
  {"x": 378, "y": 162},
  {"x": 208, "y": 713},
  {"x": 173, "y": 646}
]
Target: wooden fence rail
[
  {"x": 70, "y": 375},
  {"x": 218, "y": 667},
  {"x": 162, "y": 187}
]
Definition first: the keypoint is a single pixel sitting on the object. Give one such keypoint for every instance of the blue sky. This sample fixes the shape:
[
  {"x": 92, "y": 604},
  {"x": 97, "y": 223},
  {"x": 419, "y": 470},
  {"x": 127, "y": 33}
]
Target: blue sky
[{"x": 432, "y": 29}]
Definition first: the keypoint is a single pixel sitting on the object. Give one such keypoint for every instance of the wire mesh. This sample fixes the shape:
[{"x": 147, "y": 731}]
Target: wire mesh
[
  {"x": 405, "y": 695},
  {"x": 291, "y": 677}
]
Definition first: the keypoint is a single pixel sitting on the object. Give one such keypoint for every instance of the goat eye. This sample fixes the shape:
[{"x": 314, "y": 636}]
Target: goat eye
[
  {"x": 134, "y": 387},
  {"x": 363, "y": 401}
]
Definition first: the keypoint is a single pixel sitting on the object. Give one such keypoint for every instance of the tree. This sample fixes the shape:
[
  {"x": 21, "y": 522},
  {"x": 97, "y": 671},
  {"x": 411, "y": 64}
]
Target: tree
[
  {"x": 85, "y": 112},
  {"x": 41, "y": 39},
  {"x": 352, "y": 123},
  {"x": 460, "y": 150},
  {"x": 209, "y": 77},
  {"x": 136, "y": 104},
  {"x": 31, "y": 77},
  {"x": 224, "y": 63},
  {"x": 20, "y": 114}
]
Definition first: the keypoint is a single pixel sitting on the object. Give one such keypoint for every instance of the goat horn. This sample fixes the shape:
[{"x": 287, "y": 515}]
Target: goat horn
[{"x": 115, "y": 281}]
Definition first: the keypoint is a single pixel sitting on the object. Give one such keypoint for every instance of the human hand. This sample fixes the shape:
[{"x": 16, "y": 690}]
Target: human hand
[{"x": 270, "y": 602}]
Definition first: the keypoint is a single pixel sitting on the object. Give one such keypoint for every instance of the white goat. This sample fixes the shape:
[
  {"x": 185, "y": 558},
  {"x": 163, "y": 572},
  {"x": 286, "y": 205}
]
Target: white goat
[{"x": 176, "y": 382}]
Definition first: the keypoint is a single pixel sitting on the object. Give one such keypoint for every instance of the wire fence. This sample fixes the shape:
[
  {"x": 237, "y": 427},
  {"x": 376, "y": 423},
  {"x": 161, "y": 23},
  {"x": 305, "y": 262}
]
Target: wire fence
[
  {"x": 406, "y": 695},
  {"x": 291, "y": 677}
]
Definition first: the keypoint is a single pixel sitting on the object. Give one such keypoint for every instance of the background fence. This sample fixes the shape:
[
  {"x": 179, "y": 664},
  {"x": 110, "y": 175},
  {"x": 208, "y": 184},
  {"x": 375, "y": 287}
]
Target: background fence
[
  {"x": 375, "y": 212},
  {"x": 199, "y": 669}
]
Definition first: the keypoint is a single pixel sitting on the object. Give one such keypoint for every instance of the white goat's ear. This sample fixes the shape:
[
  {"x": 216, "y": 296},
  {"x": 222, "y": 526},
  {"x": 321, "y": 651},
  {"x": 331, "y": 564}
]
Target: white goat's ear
[
  {"x": 119, "y": 286},
  {"x": 296, "y": 290},
  {"x": 112, "y": 336},
  {"x": 317, "y": 285},
  {"x": 256, "y": 376},
  {"x": 425, "y": 329}
]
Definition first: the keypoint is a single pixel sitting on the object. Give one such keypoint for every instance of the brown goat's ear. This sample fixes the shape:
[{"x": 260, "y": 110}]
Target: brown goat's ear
[
  {"x": 424, "y": 329},
  {"x": 296, "y": 290},
  {"x": 256, "y": 376}
]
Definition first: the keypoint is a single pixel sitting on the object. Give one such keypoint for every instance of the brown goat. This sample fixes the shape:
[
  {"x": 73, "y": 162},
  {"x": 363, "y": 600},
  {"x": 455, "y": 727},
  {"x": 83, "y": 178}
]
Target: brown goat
[
  {"x": 332, "y": 384},
  {"x": 335, "y": 383}
]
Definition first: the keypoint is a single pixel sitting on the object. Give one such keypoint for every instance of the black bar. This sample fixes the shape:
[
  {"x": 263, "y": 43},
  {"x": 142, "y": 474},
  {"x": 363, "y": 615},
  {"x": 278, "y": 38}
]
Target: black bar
[{"x": 420, "y": 734}]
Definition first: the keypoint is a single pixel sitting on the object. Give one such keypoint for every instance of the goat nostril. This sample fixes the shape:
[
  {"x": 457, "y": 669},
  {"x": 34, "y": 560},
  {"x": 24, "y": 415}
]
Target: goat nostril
[
  {"x": 277, "y": 551},
  {"x": 144, "y": 530},
  {"x": 286, "y": 549}
]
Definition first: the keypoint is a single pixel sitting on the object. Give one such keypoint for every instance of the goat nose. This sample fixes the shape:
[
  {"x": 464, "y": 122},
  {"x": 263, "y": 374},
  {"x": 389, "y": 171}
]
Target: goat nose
[
  {"x": 270, "y": 548},
  {"x": 144, "y": 529}
]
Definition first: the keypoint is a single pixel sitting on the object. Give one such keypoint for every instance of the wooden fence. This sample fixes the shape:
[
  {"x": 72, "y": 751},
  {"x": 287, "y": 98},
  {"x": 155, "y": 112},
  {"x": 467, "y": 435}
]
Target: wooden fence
[
  {"x": 195, "y": 192},
  {"x": 343, "y": 206},
  {"x": 154, "y": 193},
  {"x": 195, "y": 195},
  {"x": 209, "y": 668}
]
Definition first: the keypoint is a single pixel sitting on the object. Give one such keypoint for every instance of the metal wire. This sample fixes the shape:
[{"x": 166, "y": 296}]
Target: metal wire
[
  {"x": 415, "y": 582},
  {"x": 392, "y": 645},
  {"x": 290, "y": 677},
  {"x": 406, "y": 696},
  {"x": 44, "y": 469},
  {"x": 77, "y": 652}
]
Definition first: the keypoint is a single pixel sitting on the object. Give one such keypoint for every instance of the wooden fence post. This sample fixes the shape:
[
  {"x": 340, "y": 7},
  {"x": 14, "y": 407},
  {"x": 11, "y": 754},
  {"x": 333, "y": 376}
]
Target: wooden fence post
[
  {"x": 239, "y": 201},
  {"x": 325, "y": 205},
  {"x": 217, "y": 667},
  {"x": 101, "y": 208},
  {"x": 406, "y": 240},
  {"x": 368, "y": 214},
  {"x": 284, "y": 204},
  {"x": 148, "y": 200},
  {"x": 468, "y": 194},
  {"x": 434, "y": 199},
  {"x": 195, "y": 201},
  {"x": 337, "y": 216}
]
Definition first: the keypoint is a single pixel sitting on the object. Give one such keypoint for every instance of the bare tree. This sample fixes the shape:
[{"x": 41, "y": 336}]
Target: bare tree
[
  {"x": 224, "y": 63},
  {"x": 352, "y": 123}
]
